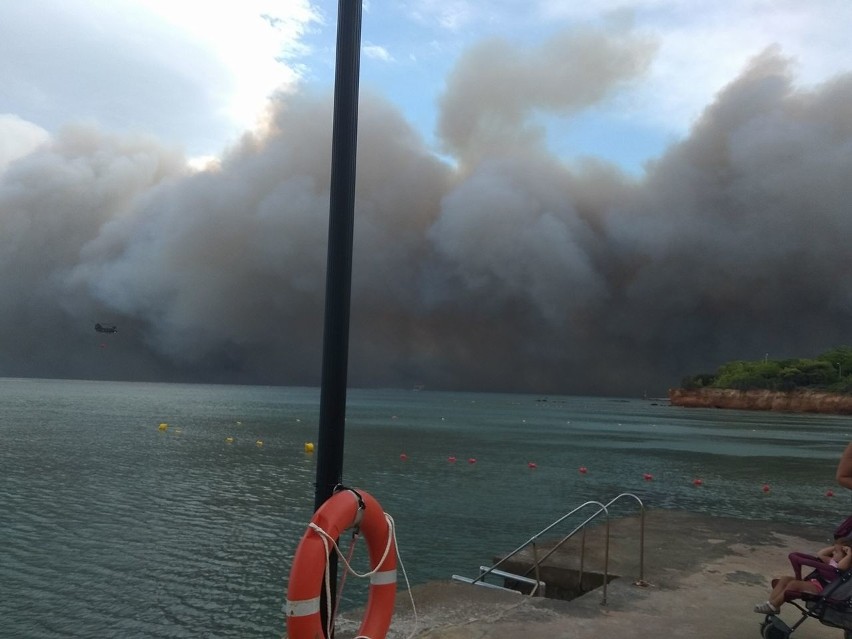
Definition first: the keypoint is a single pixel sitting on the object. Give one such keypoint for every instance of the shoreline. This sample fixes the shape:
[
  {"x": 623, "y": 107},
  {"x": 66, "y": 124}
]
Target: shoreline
[{"x": 799, "y": 401}]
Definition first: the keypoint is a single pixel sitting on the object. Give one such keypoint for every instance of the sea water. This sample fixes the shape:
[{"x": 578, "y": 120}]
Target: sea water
[{"x": 113, "y": 526}]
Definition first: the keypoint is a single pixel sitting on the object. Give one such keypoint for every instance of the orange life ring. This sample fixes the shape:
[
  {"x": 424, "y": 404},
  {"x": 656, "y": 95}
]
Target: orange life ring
[{"x": 343, "y": 510}]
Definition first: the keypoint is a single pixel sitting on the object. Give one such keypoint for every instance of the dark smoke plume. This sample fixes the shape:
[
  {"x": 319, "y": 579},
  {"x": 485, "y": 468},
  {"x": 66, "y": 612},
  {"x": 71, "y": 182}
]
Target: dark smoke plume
[{"x": 507, "y": 271}]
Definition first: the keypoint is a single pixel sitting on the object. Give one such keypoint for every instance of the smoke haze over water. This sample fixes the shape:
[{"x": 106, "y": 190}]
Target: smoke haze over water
[{"x": 507, "y": 269}]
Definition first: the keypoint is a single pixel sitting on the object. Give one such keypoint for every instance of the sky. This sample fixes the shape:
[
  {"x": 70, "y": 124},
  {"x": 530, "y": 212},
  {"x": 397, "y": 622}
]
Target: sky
[{"x": 554, "y": 197}]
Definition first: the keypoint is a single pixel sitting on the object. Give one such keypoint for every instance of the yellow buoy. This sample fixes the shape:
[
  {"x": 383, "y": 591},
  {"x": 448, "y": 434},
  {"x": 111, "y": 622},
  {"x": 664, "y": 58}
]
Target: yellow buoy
[
  {"x": 229, "y": 440},
  {"x": 309, "y": 447},
  {"x": 259, "y": 442},
  {"x": 164, "y": 426}
]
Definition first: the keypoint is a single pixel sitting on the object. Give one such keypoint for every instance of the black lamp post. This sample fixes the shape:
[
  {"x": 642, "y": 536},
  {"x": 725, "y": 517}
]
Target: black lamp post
[{"x": 339, "y": 265}]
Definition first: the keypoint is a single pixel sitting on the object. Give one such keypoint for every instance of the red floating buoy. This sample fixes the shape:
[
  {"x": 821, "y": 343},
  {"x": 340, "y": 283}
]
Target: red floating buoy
[
  {"x": 403, "y": 456},
  {"x": 697, "y": 482},
  {"x": 451, "y": 459},
  {"x": 472, "y": 460},
  {"x": 583, "y": 470},
  {"x": 765, "y": 488},
  {"x": 647, "y": 476},
  {"x": 532, "y": 465},
  {"x": 829, "y": 493}
]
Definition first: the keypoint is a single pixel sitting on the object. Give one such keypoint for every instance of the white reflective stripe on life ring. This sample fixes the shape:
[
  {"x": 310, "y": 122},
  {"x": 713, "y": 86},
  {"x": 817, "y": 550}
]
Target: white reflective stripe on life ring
[
  {"x": 383, "y": 578},
  {"x": 303, "y": 608}
]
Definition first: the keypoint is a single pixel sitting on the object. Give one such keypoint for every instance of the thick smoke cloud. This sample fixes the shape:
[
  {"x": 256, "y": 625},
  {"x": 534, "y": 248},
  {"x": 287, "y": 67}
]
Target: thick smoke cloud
[
  {"x": 507, "y": 271},
  {"x": 496, "y": 87}
]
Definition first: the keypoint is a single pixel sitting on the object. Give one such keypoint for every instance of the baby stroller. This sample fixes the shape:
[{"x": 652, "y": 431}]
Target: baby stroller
[{"x": 831, "y": 607}]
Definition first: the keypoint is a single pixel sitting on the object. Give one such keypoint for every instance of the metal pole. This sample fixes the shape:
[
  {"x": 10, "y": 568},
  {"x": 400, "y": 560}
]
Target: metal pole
[{"x": 339, "y": 265}]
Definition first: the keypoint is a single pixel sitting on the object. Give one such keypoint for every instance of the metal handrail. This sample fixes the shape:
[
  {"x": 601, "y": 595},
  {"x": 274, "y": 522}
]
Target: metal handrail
[
  {"x": 537, "y": 535},
  {"x": 603, "y": 508}
]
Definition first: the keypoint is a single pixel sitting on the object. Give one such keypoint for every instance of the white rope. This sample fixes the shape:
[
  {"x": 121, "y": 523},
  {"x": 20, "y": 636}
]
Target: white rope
[
  {"x": 326, "y": 538},
  {"x": 405, "y": 576},
  {"x": 342, "y": 583}
]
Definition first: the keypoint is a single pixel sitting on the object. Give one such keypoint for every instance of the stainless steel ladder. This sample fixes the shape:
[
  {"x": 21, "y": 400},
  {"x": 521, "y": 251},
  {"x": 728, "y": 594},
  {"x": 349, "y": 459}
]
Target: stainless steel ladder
[{"x": 538, "y": 586}]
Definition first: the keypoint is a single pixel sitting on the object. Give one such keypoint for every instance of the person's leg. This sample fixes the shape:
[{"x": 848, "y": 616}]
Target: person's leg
[
  {"x": 778, "y": 588},
  {"x": 797, "y": 585}
]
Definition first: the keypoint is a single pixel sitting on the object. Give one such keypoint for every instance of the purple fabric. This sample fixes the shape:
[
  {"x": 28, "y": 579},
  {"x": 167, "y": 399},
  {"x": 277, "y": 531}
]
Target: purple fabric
[
  {"x": 844, "y": 529},
  {"x": 824, "y": 572}
]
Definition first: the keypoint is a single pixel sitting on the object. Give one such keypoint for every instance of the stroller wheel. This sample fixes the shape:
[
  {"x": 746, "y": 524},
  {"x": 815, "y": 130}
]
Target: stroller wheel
[{"x": 770, "y": 631}]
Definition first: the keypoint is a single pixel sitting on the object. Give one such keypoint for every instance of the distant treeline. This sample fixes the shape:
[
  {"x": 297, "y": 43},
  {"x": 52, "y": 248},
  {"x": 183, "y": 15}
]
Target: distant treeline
[{"x": 831, "y": 372}]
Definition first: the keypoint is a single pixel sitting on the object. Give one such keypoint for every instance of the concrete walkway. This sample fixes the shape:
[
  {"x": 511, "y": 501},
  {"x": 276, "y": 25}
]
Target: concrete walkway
[{"x": 703, "y": 574}]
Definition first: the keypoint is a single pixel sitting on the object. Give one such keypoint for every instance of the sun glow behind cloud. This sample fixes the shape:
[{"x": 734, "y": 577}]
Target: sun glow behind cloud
[{"x": 258, "y": 43}]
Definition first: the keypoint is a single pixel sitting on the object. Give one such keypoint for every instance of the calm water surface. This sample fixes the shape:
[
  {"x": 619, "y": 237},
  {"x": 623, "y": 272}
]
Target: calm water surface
[{"x": 110, "y": 527}]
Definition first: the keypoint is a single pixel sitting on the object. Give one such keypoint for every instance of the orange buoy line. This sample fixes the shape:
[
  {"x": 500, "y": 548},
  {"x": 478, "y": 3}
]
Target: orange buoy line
[
  {"x": 765, "y": 487},
  {"x": 347, "y": 508}
]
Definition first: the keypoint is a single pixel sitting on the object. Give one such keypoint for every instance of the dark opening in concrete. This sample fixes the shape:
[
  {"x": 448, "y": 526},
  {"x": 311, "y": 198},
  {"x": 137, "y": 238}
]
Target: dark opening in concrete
[{"x": 560, "y": 582}]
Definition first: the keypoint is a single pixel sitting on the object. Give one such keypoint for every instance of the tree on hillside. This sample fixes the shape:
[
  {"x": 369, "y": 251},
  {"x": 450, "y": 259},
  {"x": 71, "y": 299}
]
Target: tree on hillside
[
  {"x": 831, "y": 371},
  {"x": 840, "y": 358}
]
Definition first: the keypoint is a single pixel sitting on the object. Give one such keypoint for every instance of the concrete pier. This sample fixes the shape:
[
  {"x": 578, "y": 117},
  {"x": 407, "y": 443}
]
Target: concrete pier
[{"x": 702, "y": 577}]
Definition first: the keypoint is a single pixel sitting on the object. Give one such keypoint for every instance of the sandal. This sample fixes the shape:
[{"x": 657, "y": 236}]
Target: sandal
[{"x": 766, "y": 608}]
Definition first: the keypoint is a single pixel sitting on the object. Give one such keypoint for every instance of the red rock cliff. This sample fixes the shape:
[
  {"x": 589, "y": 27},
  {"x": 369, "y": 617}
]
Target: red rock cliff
[{"x": 800, "y": 401}]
